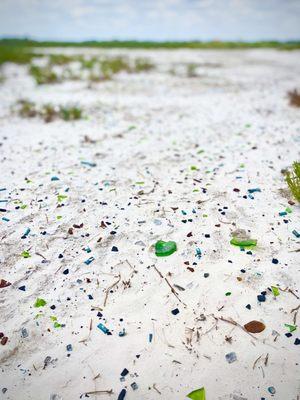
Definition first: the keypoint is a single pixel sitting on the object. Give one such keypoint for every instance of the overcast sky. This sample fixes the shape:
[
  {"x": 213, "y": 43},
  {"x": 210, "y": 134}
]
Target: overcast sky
[{"x": 151, "y": 19}]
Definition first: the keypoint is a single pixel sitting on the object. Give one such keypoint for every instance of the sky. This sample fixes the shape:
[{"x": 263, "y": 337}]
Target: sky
[{"x": 77, "y": 20}]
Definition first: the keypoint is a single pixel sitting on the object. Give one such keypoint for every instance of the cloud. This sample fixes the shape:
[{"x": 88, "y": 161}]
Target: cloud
[{"x": 151, "y": 19}]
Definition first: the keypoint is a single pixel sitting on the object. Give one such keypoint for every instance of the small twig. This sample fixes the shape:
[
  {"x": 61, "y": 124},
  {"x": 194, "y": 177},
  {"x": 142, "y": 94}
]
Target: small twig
[
  {"x": 169, "y": 284},
  {"x": 266, "y": 359},
  {"x": 41, "y": 255},
  {"x": 295, "y": 310},
  {"x": 155, "y": 388},
  {"x": 100, "y": 392},
  {"x": 289, "y": 291},
  {"x": 97, "y": 308},
  {"x": 256, "y": 361},
  {"x": 232, "y": 322},
  {"x": 90, "y": 329},
  {"x": 109, "y": 289}
]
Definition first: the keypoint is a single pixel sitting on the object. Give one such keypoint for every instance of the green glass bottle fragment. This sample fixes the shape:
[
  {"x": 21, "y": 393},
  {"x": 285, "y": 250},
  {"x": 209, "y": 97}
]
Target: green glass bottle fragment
[
  {"x": 163, "y": 249},
  {"x": 243, "y": 243}
]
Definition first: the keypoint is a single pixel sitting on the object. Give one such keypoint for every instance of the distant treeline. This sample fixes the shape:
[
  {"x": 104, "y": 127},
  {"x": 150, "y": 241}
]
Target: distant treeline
[{"x": 132, "y": 44}]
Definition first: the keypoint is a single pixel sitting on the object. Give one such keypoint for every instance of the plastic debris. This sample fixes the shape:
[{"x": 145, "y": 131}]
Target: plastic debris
[
  {"x": 24, "y": 333},
  {"x": 89, "y": 260},
  {"x": 243, "y": 243},
  {"x": 122, "y": 394},
  {"x": 230, "y": 357},
  {"x": 261, "y": 298},
  {"x": 271, "y": 390},
  {"x": 291, "y": 328},
  {"x": 283, "y": 213},
  {"x": 295, "y": 233},
  {"x": 254, "y": 190},
  {"x": 124, "y": 372},
  {"x": 25, "y": 234},
  {"x": 163, "y": 249},
  {"x": 25, "y": 254},
  {"x": 275, "y": 291},
  {"x": 198, "y": 253},
  {"x": 255, "y": 326},
  {"x": 88, "y": 163},
  {"x": 198, "y": 394},
  {"x": 134, "y": 386},
  {"x": 40, "y": 303},
  {"x": 104, "y": 329}
]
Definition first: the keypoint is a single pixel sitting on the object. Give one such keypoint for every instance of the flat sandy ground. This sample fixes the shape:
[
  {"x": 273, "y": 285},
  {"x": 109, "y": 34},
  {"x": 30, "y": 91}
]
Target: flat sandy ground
[{"x": 173, "y": 159}]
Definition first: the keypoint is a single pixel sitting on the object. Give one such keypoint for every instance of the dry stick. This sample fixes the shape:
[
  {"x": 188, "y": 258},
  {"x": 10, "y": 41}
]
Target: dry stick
[
  {"x": 169, "y": 284},
  {"x": 295, "y": 310},
  {"x": 109, "y": 289},
  {"x": 210, "y": 329},
  {"x": 256, "y": 361},
  {"x": 266, "y": 359},
  {"x": 90, "y": 330},
  {"x": 232, "y": 322},
  {"x": 289, "y": 291},
  {"x": 41, "y": 255},
  {"x": 155, "y": 388},
  {"x": 133, "y": 270},
  {"x": 97, "y": 308},
  {"x": 100, "y": 392}
]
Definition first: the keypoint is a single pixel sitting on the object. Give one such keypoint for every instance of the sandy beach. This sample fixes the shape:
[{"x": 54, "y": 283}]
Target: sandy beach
[{"x": 193, "y": 156}]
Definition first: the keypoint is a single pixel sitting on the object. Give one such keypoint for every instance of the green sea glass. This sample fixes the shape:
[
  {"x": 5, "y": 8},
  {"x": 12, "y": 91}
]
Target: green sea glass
[
  {"x": 243, "y": 243},
  {"x": 163, "y": 249}
]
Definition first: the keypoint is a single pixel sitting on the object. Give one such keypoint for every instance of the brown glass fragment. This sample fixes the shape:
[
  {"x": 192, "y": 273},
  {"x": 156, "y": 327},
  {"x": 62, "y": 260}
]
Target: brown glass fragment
[{"x": 255, "y": 327}]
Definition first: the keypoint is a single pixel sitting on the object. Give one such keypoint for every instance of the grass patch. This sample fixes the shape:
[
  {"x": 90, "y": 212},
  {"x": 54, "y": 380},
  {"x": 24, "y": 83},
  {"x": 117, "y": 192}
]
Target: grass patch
[
  {"x": 98, "y": 68},
  {"x": 43, "y": 75},
  {"x": 48, "y": 112},
  {"x": 134, "y": 44},
  {"x": 70, "y": 113},
  {"x": 293, "y": 180},
  {"x": 143, "y": 65},
  {"x": 294, "y": 98},
  {"x": 191, "y": 70},
  {"x": 16, "y": 54},
  {"x": 61, "y": 59},
  {"x": 26, "y": 109}
]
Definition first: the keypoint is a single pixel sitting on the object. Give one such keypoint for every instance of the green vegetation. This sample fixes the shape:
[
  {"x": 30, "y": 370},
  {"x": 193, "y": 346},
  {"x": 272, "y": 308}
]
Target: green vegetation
[
  {"x": 16, "y": 54},
  {"x": 26, "y": 109},
  {"x": 99, "y": 68},
  {"x": 48, "y": 112},
  {"x": 61, "y": 59},
  {"x": 191, "y": 70},
  {"x": 288, "y": 45},
  {"x": 70, "y": 113},
  {"x": 43, "y": 75},
  {"x": 143, "y": 65},
  {"x": 293, "y": 180}
]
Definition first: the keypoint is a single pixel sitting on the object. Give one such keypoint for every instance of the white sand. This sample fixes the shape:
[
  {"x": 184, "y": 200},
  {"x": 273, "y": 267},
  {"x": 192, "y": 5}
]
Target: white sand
[{"x": 238, "y": 113}]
